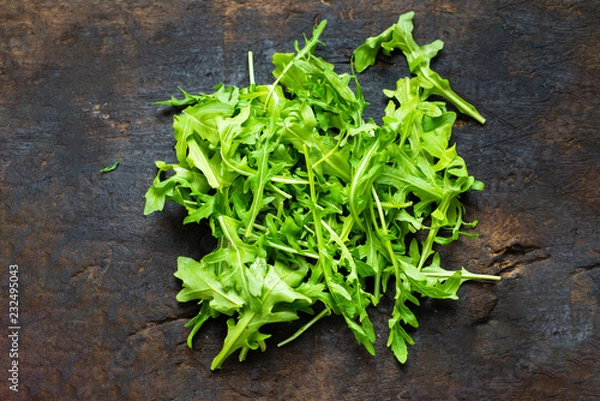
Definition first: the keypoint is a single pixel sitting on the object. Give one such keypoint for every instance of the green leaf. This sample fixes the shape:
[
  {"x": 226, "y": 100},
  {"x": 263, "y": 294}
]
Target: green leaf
[
  {"x": 364, "y": 56},
  {"x": 200, "y": 283},
  {"x": 272, "y": 291},
  {"x": 399, "y": 36},
  {"x": 110, "y": 168},
  {"x": 188, "y": 99},
  {"x": 196, "y": 323}
]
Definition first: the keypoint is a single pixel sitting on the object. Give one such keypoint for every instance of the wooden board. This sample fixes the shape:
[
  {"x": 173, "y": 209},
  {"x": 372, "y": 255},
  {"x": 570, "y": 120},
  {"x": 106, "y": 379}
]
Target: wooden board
[{"x": 97, "y": 311}]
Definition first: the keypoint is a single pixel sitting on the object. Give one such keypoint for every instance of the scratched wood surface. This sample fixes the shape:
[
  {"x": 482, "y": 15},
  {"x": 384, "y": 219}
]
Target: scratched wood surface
[{"x": 97, "y": 294}]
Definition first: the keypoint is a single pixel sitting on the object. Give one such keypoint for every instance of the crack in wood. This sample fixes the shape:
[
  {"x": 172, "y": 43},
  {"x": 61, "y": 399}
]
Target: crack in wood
[
  {"x": 514, "y": 256},
  {"x": 149, "y": 326},
  {"x": 579, "y": 270}
]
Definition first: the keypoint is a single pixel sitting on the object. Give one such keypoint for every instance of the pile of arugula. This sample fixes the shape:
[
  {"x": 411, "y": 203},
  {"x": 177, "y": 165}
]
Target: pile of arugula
[{"x": 316, "y": 210}]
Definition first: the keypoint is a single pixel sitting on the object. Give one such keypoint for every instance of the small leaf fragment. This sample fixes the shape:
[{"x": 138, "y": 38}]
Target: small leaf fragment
[{"x": 110, "y": 168}]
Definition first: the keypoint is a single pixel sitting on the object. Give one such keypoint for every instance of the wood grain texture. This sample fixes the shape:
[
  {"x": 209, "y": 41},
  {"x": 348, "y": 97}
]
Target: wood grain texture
[{"x": 98, "y": 310}]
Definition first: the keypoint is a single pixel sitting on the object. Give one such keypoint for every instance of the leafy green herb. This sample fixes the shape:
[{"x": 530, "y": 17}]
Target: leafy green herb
[
  {"x": 315, "y": 210},
  {"x": 399, "y": 36},
  {"x": 110, "y": 168}
]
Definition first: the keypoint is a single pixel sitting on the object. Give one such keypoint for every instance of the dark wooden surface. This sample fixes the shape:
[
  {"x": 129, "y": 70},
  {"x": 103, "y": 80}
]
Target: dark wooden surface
[{"x": 97, "y": 297}]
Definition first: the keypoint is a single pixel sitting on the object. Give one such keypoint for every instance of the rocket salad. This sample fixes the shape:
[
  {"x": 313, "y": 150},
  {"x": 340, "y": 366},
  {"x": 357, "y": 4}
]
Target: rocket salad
[{"x": 315, "y": 209}]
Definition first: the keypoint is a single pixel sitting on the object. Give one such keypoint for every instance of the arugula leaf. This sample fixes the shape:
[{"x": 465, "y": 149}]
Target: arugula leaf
[
  {"x": 110, "y": 168},
  {"x": 315, "y": 210},
  {"x": 399, "y": 36},
  {"x": 201, "y": 282}
]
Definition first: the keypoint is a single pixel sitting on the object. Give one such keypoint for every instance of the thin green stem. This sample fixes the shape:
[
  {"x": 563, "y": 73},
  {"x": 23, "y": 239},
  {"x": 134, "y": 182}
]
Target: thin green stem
[
  {"x": 313, "y": 197},
  {"x": 387, "y": 242},
  {"x": 322, "y": 314},
  {"x": 288, "y": 180},
  {"x": 310, "y": 45},
  {"x": 464, "y": 274},
  {"x": 292, "y": 250},
  {"x": 251, "y": 68},
  {"x": 372, "y": 259}
]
